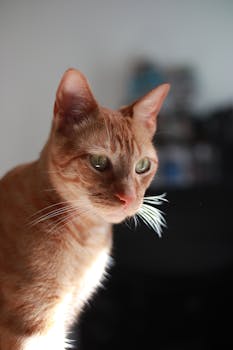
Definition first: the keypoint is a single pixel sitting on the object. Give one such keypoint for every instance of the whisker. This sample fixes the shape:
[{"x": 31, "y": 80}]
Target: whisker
[
  {"x": 127, "y": 222},
  {"x": 146, "y": 221},
  {"x": 154, "y": 211},
  {"x": 69, "y": 343},
  {"x": 53, "y": 213},
  {"x": 152, "y": 217},
  {"x": 133, "y": 220},
  {"x": 156, "y": 200},
  {"x": 136, "y": 221},
  {"x": 62, "y": 222},
  {"x": 48, "y": 207},
  {"x": 149, "y": 221},
  {"x": 67, "y": 202},
  {"x": 69, "y": 218}
]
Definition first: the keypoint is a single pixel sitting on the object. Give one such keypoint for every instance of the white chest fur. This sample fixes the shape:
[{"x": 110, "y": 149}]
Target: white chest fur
[
  {"x": 92, "y": 277},
  {"x": 88, "y": 277},
  {"x": 67, "y": 308}
]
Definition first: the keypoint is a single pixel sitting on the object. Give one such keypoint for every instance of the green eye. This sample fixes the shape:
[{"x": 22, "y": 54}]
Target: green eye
[
  {"x": 142, "y": 166},
  {"x": 99, "y": 162}
]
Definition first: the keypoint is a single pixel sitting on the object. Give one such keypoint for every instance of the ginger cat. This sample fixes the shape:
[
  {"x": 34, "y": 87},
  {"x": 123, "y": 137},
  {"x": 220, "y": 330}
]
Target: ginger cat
[{"x": 56, "y": 213}]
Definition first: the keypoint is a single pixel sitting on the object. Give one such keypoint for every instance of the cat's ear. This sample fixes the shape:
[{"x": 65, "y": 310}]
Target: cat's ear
[
  {"x": 146, "y": 109},
  {"x": 74, "y": 101}
]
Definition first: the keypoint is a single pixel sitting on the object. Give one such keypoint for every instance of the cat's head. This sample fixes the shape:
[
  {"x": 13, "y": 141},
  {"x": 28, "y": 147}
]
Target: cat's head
[{"x": 100, "y": 159}]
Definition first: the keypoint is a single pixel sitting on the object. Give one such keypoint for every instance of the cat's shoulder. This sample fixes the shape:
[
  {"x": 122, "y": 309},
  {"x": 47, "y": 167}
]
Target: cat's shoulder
[
  {"x": 16, "y": 171},
  {"x": 14, "y": 178}
]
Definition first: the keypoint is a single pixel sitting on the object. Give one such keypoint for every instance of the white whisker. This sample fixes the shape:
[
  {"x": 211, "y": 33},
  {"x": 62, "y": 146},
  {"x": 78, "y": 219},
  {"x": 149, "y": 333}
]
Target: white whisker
[
  {"x": 52, "y": 214},
  {"x": 127, "y": 222},
  {"x": 62, "y": 222},
  {"x": 67, "y": 219},
  {"x": 67, "y": 205},
  {"x": 134, "y": 219},
  {"x": 154, "y": 211},
  {"x": 152, "y": 217},
  {"x": 156, "y": 200},
  {"x": 48, "y": 207},
  {"x": 146, "y": 220},
  {"x": 69, "y": 343}
]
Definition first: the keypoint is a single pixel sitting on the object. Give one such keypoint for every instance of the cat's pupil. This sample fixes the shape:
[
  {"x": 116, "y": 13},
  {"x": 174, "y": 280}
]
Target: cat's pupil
[
  {"x": 142, "y": 166},
  {"x": 99, "y": 162}
]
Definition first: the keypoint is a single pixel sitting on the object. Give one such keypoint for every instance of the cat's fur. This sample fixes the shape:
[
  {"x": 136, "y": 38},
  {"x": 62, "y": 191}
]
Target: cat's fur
[{"x": 56, "y": 213}]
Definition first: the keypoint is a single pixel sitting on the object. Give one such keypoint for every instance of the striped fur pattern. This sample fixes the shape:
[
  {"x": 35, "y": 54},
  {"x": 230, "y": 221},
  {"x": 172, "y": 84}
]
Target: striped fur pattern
[{"x": 56, "y": 213}]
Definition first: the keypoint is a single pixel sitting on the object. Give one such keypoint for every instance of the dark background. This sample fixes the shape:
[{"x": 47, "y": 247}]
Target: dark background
[{"x": 173, "y": 292}]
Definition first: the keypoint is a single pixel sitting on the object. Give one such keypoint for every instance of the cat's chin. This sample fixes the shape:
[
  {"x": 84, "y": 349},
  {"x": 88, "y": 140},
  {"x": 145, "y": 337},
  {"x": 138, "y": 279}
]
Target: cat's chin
[
  {"x": 112, "y": 218},
  {"x": 116, "y": 218}
]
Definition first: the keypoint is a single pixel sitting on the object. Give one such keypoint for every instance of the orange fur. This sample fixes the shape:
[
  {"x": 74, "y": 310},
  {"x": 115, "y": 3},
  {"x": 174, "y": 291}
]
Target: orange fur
[{"x": 56, "y": 214}]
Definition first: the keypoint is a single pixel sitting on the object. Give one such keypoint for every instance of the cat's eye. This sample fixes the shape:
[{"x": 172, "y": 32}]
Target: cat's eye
[
  {"x": 142, "y": 166},
  {"x": 99, "y": 162}
]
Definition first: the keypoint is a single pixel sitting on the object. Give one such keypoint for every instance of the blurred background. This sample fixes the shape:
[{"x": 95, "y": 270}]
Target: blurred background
[{"x": 170, "y": 293}]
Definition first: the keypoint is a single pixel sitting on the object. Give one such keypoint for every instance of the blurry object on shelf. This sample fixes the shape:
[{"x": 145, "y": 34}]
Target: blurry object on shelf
[
  {"x": 219, "y": 129},
  {"x": 174, "y": 128},
  {"x": 183, "y": 82},
  {"x": 145, "y": 76},
  {"x": 192, "y": 163},
  {"x": 207, "y": 163},
  {"x": 176, "y": 167}
]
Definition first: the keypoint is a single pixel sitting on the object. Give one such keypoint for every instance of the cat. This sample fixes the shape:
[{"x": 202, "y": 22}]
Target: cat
[{"x": 56, "y": 213}]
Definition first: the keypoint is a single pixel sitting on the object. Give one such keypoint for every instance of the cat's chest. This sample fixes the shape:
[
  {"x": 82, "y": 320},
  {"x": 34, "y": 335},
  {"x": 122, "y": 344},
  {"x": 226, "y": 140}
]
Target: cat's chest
[
  {"x": 81, "y": 269},
  {"x": 92, "y": 277}
]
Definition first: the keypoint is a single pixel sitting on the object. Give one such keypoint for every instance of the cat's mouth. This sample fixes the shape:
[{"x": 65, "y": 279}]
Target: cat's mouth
[
  {"x": 114, "y": 210},
  {"x": 117, "y": 214}
]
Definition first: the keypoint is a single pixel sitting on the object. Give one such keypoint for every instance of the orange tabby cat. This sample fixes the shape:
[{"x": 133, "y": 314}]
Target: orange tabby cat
[{"x": 56, "y": 213}]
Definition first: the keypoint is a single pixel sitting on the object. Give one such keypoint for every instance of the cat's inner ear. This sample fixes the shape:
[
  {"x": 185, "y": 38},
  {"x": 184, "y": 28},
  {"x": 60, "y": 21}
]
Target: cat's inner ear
[
  {"x": 74, "y": 100},
  {"x": 146, "y": 109}
]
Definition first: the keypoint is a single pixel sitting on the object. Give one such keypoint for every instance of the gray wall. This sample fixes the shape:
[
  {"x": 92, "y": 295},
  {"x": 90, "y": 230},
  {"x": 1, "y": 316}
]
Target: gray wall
[{"x": 40, "y": 39}]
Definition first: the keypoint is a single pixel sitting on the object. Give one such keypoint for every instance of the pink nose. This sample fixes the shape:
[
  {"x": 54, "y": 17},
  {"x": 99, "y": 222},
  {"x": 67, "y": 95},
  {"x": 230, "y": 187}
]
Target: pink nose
[{"x": 125, "y": 198}]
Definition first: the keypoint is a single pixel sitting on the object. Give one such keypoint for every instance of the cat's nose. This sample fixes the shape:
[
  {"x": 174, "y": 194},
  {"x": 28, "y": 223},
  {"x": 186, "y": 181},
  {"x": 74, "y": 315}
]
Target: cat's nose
[{"x": 126, "y": 198}]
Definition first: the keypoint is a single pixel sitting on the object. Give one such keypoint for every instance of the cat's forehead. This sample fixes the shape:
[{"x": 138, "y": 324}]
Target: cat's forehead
[{"x": 118, "y": 135}]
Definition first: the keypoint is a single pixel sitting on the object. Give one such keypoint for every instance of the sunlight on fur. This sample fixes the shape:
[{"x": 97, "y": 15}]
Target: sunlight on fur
[{"x": 55, "y": 338}]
